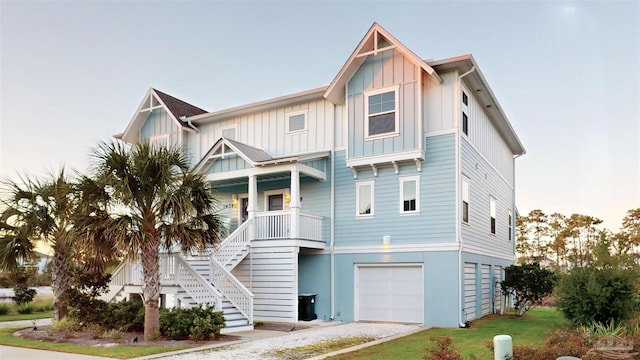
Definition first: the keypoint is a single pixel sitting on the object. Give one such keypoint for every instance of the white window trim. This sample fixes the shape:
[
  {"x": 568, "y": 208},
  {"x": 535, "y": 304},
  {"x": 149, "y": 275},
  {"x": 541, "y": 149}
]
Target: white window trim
[
  {"x": 396, "y": 90},
  {"x": 510, "y": 220},
  {"x": 465, "y": 195},
  {"x": 403, "y": 180},
  {"x": 288, "y": 115},
  {"x": 157, "y": 138},
  {"x": 284, "y": 192},
  {"x": 464, "y": 109},
  {"x": 492, "y": 215},
  {"x": 359, "y": 184}
]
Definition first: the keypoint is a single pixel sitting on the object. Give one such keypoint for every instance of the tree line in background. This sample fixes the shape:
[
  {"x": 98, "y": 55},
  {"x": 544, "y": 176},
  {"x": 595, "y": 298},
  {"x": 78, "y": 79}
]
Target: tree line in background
[{"x": 560, "y": 242}]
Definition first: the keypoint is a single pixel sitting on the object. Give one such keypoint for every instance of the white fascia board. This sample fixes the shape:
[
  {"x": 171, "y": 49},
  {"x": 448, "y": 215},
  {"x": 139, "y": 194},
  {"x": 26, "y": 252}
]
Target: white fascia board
[
  {"x": 259, "y": 106},
  {"x": 263, "y": 170},
  {"x": 486, "y": 251},
  {"x": 393, "y": 248},
  {"x": 386, "y": 158},
  {"x": 125, "y": 136},
  {"x": 308, "y": 170}
]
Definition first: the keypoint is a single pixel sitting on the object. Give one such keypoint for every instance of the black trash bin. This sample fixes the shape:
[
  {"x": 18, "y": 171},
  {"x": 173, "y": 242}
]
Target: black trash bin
[{"x": 307, "y": 307}]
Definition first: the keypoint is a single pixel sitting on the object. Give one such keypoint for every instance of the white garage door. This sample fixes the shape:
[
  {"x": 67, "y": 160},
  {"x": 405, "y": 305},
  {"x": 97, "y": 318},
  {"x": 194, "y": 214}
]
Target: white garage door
[{"x": 389, "y": 293}]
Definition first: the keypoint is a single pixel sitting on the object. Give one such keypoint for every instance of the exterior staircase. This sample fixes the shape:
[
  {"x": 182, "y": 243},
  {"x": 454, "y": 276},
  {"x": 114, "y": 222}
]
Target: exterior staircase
[{"x": 201, "y": 278}]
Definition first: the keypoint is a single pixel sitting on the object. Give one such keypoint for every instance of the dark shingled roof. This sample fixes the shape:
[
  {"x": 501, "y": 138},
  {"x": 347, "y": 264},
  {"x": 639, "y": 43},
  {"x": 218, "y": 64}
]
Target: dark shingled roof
[{"x": 178, "y": 107}]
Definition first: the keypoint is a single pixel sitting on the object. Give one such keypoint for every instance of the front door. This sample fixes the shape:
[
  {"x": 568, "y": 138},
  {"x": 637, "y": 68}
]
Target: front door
[
  {"x": 244, "y": 206},
  {"x": 276, "y": 226}
]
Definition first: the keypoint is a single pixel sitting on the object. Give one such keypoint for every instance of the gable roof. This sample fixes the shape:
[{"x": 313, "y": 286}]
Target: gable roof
[
  {"x": 370, "y": 45},
  {"x": 155, "y": 99},
  {"x": 178, "y": 107}
]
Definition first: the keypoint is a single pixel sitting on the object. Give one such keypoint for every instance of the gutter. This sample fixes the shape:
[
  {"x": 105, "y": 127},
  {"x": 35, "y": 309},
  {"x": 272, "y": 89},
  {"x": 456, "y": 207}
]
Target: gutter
[{"x": 461, "y": 323}]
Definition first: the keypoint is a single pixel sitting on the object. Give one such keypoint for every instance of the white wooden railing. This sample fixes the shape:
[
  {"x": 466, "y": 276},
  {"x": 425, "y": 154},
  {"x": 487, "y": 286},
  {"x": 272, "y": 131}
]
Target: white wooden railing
[
  {"x": 277, "y": 225},
  {"x": 195, "y": 285},
  {"x": 310, "y": 226},
  {"x": 233, "y": 289},
  {"x": 119, "y": 278},
  {"x": 233, "y": 245}
]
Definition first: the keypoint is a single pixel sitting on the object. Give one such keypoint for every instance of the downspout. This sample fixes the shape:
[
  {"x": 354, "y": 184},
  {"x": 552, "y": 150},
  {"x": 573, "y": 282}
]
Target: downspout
[
  {"x": 332, "y": 215},
  {"x": 461, "y": 322}
]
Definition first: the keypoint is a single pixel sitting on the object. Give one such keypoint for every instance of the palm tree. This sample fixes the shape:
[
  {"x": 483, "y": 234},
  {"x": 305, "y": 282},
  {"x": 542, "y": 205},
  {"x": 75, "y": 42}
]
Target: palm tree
[
  {"x": 155, "y": 202},
  {"x": 36, "y": 210}
]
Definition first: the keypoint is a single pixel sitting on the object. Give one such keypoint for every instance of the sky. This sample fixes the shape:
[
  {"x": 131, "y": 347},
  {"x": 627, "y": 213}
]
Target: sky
[{"x": 566, "y": 73}]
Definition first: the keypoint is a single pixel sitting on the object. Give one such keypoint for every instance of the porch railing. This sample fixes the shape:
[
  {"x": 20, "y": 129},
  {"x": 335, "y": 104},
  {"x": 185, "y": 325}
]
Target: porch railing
[
  {"x": 277, "y": 225},
  {"x": 233, "y": 245},
  {"x": 233, "y": 289}
]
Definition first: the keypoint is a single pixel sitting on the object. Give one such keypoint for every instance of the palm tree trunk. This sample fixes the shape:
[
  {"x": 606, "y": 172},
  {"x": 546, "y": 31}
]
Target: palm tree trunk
[
  {"x": 60, "y": 270},
  {"x": 151, "y": 287}
]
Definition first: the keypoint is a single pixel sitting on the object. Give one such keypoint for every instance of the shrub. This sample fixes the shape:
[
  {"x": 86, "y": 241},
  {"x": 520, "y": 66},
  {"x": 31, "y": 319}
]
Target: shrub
[
  {"x": 125, "y": 316},
  {"x": 23, "y": 295},
  {"x": 559, "y": 343},
  {"x": 587, "y": 295},
  {"x": 443, "y": 349},
  {"x": 113, "y": 335},
  {"x": 67, "y": 326},
  {"x": 4, "y": 309},
  {"x": 197, "y": 323},
  {"x": 83, "y": 307},
  {"x": 527, "y": 284},
  {"x": 25, "y": 309}
]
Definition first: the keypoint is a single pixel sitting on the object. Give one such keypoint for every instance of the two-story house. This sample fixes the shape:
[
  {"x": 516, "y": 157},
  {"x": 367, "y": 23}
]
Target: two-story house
[{"x": 388, "y": 193}]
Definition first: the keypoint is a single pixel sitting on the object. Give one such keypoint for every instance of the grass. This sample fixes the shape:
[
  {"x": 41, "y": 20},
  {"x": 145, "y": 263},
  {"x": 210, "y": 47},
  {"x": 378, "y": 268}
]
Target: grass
[
  {"x": 32, "y": 316},
  {"x": 530, "y": 329},
  {"x": 41, "y": 308},
  {"x": 118, "y": 352}
]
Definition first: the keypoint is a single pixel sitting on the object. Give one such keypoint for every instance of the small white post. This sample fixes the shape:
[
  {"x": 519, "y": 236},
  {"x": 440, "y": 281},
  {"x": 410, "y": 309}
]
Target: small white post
[{"x": 502, "y": 347}]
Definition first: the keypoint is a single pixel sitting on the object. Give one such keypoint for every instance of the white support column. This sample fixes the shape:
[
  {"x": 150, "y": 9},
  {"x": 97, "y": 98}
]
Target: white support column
[
  {"x": 294, "y": 204},
  {"x": 253, "y": 205}
]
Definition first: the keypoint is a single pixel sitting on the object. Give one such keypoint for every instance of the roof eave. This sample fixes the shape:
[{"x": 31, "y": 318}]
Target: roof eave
[{"x": 259, "y": 106}]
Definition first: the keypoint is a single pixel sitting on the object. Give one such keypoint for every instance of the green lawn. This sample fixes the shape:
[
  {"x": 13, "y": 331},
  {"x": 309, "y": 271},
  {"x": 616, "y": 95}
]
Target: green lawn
[
  {"x": 118, "y": 352},
  {"x": 532, "y": 328}
]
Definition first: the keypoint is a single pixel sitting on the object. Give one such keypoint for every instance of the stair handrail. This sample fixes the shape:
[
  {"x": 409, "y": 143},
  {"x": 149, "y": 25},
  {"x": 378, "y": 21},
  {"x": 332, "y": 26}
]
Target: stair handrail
[
  {"x": 235, "y": 243},
  {"x": 233, "y": 289},
  {"x": 117, "y": 282},
  {"x": 195, "y": 285}
]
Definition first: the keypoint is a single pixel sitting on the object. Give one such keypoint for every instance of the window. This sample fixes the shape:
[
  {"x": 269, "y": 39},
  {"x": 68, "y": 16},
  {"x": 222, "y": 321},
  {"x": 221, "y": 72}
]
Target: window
[
  {"x": 465, "y": 124},
  {"x": 509, "y": 225},
  {"x": 410, "y": 194},
  {"x": 465, "y": 200},
  {"x": 161, "y": 140},
  {"x": 229, "y": 133},
  {"x": 364, "y": 198},
  {"x": 492, "y": 213},
  {"x": 465, "y": 99},
  {"x": 297, "y": 121},
  {"x": 382, "y": 115}
]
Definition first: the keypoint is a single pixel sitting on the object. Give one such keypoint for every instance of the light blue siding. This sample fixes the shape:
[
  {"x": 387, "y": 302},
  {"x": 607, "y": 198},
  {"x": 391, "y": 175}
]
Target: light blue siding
[
  {"x": 160, "y": 123},
  {"x": 385, "y": 69},
  {"x": 440, "y": 283},
  {"x": 231, "y": 162},
  {"x": 314, "y": 277},
  {"x": 436, "y": 220},
  {"x": 484, "y": 182}
]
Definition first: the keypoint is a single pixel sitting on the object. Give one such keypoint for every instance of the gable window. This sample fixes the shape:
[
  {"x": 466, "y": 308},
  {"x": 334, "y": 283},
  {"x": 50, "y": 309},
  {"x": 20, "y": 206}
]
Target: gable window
[
  {"x": 161, "y": 140},
  {"x": 510, "y": 227},
  {"x": 492, "y": 214},
  {"x": 364, "y": 198},
  {"x": 465, "y": 200},
  {"x": 296, "y": 121},
  {"x": 381, "y": 107},
  {"x": 410, "y": 194}
]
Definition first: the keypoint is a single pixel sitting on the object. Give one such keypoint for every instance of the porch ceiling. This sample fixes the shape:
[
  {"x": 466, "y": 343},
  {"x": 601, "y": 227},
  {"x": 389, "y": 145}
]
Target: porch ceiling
[{"x": 265, "y": 178}]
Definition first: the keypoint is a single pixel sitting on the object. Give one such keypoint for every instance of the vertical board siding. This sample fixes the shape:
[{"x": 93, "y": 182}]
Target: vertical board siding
[
  {"x": 483, "y": 183},
  {"x": 160, "y": 123},
  {"x": 436, "y": 220},
  {"x": 268, "y": 129},
  {"x": 231, "y": 162},
  {"x": 438, "y": 102},
  {"x": 272, "y": 275},
  {"x": 382, "y": 70},
  {"x": 486, "y": 138},
  {"x": 486, "y": 289},
  {"x": 470, "y": 291}
]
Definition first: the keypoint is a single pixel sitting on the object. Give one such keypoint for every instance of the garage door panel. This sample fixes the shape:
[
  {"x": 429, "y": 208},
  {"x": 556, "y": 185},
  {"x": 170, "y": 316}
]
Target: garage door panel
[{"x": 390, "y": 293}]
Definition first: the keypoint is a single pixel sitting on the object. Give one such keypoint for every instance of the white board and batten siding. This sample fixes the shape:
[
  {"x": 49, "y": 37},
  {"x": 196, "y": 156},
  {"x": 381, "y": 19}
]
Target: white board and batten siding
[
  {"x": 271, "y": 273},
  {"x": 470, "y": 291},
  {"x": 393, "y": 293},
  {"x": 486, "y": 289}
]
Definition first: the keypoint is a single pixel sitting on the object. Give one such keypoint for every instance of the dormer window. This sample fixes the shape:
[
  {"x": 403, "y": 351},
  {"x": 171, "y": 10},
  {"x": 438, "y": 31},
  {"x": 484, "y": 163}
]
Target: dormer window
[{"x": 381, "y": 112}]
